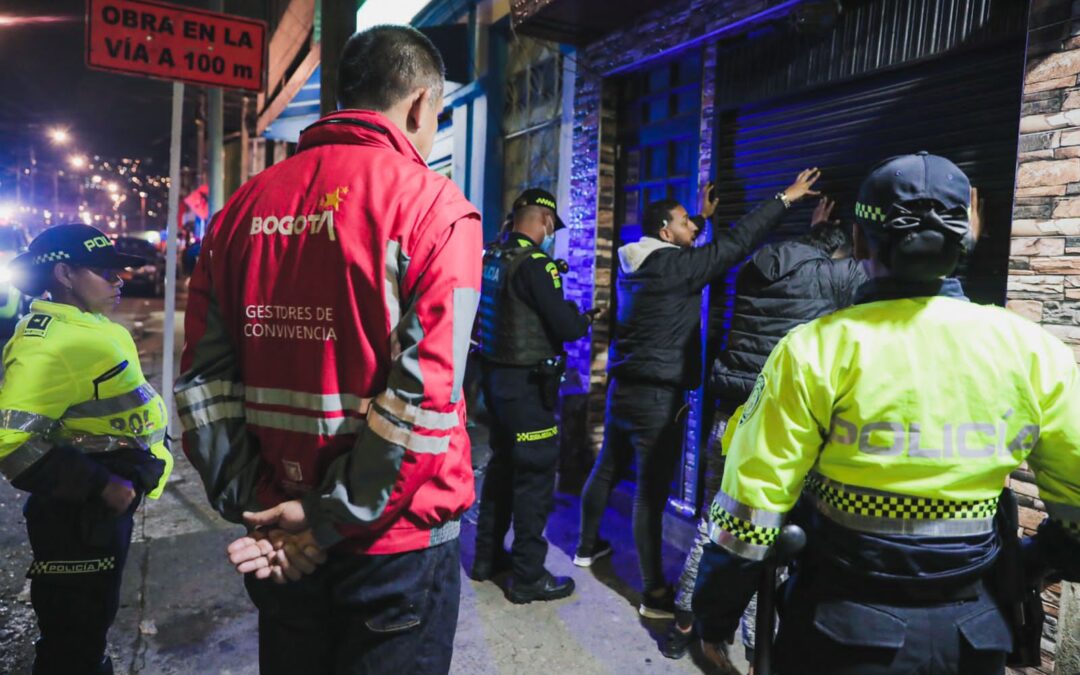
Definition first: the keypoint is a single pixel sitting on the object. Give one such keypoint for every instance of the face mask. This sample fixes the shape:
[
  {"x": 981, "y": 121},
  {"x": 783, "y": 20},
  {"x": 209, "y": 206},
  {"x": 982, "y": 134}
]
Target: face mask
[{"x": 548, "y": 244}]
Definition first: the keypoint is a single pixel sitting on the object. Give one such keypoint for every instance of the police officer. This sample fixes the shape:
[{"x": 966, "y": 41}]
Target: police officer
[
  {"x": 83, "y": 432},
  {"x": 902, "y": 416},
  {"x": 524, "y": 322}
]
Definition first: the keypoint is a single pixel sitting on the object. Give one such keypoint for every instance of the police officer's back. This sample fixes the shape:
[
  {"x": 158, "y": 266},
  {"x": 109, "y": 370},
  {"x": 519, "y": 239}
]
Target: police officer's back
[
  {"x": 524, "y": 321},
  {"x": 903, "y": 415}
]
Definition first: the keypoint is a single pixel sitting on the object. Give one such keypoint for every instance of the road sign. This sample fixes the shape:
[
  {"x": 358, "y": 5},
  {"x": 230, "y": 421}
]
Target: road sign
[{"x": 157, "y": 39}]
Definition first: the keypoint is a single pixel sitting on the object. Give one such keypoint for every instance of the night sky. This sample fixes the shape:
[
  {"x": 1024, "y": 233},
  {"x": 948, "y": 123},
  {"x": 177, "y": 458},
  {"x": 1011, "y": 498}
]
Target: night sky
[{"x": 45, "y": 82}]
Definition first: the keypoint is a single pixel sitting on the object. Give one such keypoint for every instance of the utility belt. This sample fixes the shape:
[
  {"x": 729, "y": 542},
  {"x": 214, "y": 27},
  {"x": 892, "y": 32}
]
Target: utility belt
[
  {"x": 548, "y": 375},
  {"x": 550, "y": 372},
  {"x": 877, "y": 513}
]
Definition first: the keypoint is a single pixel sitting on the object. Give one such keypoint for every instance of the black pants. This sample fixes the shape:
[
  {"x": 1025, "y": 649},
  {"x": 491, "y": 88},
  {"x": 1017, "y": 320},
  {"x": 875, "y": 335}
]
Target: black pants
[
  {"x": 822, "y": 631},
  {"x": 519, "y": 485},
  {"x": 642, "y": 422},
  {"x": 79, "y": 556},
  {"x": 360, "y": 614}
]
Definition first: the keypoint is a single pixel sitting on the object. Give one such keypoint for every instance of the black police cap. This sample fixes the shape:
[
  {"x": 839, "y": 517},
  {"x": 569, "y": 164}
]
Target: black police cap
[
  {"x": 538, "y": 197},
  {"x": 76, "y": 244},
  {"x": 912, "y": 178}
]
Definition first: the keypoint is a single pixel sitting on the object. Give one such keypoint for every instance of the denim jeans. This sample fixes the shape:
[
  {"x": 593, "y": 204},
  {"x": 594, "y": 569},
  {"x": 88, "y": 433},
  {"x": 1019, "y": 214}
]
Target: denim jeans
[
  {"x": 642, "y": 423},
  {"x": 361, "y": 614}
]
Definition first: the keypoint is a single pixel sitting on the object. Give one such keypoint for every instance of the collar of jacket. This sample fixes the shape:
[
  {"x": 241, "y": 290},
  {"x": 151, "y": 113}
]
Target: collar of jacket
[
  {"x": 633, "y": 256},
  {"x": 359, "y": 127},
  {"x": 888, "y": 288},
  {"x": 518, "y": 240},
  {"x": 67, "y": 312}
]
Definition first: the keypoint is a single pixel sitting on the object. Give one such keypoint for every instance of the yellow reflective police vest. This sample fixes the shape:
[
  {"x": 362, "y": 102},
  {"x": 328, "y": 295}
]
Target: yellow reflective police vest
[
  {"x": 903, "y": 416},
  {"x": 73, "y": 378}
]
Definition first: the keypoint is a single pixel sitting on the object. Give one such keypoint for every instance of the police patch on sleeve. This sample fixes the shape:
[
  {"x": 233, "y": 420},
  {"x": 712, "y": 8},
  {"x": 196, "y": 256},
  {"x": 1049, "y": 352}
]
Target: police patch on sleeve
[
  {"x": 751, "y": 404},
  {"x": 37, "y": 325}
]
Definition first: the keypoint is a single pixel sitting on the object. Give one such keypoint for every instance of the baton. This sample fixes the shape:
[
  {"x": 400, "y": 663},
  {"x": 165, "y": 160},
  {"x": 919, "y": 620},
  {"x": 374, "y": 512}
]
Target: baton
[{"x": 790, "y": 541}]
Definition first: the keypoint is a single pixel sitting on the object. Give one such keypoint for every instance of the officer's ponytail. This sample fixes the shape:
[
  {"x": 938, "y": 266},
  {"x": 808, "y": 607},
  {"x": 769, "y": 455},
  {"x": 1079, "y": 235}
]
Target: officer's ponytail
[{"x": 922, "y": 242}]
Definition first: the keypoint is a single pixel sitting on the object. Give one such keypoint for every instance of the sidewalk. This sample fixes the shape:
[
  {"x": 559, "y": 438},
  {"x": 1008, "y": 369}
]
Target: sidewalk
[{"x": 184, "y": 609}]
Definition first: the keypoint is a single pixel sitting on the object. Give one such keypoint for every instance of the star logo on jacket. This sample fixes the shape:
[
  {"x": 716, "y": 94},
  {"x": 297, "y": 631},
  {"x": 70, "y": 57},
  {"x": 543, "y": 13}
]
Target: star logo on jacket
[{"x": 332, "y": 200}]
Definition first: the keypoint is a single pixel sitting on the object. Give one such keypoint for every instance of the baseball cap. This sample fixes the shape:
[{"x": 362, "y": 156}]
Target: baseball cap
[
  {"x": 76, "y": 244},
  {"x": 909, "y": 178},
  {"x": 538, "y": 197}
]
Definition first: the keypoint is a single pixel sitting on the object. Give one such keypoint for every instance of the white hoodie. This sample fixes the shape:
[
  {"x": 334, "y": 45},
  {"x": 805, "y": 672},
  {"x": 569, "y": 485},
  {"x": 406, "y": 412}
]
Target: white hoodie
[{"x": 633, "y": 256}]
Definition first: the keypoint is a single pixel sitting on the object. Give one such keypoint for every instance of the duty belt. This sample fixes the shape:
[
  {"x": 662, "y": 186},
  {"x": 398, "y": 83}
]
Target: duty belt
[{"x": 877, "y": 512}]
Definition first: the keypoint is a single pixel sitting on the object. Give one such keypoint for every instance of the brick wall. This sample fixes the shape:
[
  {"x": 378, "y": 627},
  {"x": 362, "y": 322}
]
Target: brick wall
[{"x": 1044, "y": 265}]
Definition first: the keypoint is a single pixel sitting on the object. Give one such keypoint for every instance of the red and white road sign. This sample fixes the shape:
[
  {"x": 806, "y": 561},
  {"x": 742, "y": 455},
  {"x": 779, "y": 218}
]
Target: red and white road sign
[{"x": 158, "y": 39}]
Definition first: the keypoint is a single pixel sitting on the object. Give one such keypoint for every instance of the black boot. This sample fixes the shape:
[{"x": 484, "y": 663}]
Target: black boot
[{"x": 546, "y": 587}]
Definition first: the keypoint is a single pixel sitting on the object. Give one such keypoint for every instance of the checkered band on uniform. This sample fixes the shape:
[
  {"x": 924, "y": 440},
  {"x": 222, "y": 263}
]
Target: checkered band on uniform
[
  {"x": 888, "y": 513},
  {"x": 51, "y": 567},
  {"x": 869, "y": 212},
  {"x": 742, "y": 529},
  {"x": 52, "y": 256}
]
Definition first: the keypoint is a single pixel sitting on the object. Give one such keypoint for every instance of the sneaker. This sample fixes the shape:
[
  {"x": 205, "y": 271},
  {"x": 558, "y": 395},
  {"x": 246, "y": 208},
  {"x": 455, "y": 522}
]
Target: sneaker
[
  {"x": 678, "y": 642},
  {"x": 658, "y": 605},
  {"x": 545, "y": 588},
  {"x": 586, "y": 558}
]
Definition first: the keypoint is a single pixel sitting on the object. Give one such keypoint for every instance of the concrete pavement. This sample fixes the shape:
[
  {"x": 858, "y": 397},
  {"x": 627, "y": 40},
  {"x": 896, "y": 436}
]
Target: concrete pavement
[{"x": 184, "y": 610}]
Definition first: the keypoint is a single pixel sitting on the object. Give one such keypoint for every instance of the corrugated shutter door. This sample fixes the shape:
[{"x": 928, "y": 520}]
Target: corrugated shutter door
[{"x": 964, "y": 106}]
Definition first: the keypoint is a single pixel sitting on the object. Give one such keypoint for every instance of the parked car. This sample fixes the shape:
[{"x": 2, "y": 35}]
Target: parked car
[
  {"x": 13, "y": 304},
  {"x": 150, "y": 278}
]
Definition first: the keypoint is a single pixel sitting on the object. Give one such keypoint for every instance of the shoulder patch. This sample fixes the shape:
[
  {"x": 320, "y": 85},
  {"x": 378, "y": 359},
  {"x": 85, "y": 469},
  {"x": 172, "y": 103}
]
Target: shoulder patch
[
  {"x": 37, "y": 325},
  {"x": 752, "y": 402},
  {"x": 553, "y": 269},
  {"x": 540, "y": 256}
]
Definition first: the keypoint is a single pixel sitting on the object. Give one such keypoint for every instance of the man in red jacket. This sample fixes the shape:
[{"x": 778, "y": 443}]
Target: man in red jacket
[{"x": 321, "y": 396}]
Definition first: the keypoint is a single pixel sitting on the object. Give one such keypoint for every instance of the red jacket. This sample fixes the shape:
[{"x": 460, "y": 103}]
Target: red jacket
[{"x": 327, "y": 330}]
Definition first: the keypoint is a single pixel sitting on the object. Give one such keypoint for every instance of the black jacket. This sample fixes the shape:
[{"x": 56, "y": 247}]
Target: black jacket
[
  {"x": 657, "y": 334},
  {"x": 784, "y": 285}
]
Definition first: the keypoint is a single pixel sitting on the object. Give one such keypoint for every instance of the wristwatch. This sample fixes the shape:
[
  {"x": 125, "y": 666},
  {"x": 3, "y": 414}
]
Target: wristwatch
[{"x": 783, "y": 199}]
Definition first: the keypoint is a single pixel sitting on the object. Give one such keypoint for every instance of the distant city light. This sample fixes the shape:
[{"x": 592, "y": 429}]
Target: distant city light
[
  {"x": 59, "y": 136},
  {"x": 95, "y": 179},
  {"x": 112, "y": 224},
  {"x": 113, "y": 187},
  {"x": 6, "y": 20},
  {"x": 77, "y": 161},
  {"x": 87, "y": 218},
  {"x": 6, "y": 211}
]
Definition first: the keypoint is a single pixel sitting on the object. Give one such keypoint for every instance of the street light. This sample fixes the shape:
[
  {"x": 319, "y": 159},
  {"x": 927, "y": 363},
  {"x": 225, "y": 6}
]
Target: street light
[
  {"x": 59, "y": 135},
  {"x": 77, "y": 161}
]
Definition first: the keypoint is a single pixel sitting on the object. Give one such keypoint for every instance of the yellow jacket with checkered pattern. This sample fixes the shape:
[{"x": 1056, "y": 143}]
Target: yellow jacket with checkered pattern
[
  {"x": 75, "y": 407},
  {"x": 903, "y": 416}
]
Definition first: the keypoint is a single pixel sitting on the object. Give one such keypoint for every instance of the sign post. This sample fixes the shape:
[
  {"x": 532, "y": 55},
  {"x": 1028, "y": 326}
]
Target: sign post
[
  {"x": 182, "y": 44},
  {"x": 171, "y": 250}
]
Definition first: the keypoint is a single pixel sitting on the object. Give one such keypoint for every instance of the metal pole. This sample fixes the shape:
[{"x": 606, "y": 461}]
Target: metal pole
[
  {"x": 216, "y": 128},
  {"x": 170, "y": 248}
]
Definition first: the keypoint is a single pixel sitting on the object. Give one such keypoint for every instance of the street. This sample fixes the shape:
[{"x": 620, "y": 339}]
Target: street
[{"x": 184, "y": 609}]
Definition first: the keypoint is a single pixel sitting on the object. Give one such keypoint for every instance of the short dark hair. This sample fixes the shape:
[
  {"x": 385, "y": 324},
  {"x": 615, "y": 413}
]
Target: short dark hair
[
  {"x": 830, "y": 237},
  {"x": 384, "y": 64},
  {"x": 657, "y": 215}
]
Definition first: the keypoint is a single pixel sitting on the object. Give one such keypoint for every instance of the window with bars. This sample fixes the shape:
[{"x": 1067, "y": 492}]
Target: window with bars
[
  {"x": 531, "y": 118},
  {"x": 659, "y": 120}
]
